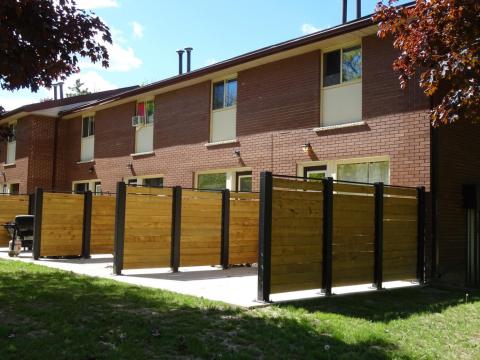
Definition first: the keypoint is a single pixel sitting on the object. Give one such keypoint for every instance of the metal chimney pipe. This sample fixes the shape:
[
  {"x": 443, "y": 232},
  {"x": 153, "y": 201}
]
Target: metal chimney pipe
[
  {"x": 55, "y": 96},
  {"x": 344, "y": 12},
  {"x": 189, "y": 58},
  {"x": 359, "y": 9},
  {"x": 60, "y": 85},
  {"x": 180, "y": 61}
]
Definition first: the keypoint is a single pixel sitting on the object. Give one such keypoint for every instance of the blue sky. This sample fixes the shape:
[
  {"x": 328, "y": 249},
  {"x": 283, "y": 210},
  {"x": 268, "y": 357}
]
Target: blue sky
[{"x": 146, "y": 34}]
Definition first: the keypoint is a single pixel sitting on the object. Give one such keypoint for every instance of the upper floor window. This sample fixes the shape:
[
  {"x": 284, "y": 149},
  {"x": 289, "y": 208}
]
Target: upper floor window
[
  {"x": 11, "y": 143},
  {"x": 88, "y": 126},
  {"x": 224, "y": 111},
  {"x": 224, "y": 94},
  {"x": 145, "y": 109},
  {"x": 342, "y": 65},
  {"x": 88, "y": 140},
  {"x": 342, "y": 86}
]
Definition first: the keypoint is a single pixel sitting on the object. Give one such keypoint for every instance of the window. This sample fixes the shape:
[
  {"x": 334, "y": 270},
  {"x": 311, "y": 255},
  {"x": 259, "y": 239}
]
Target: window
[
  {"x": 224, "y": 111},
  {"x": 146, "y": 109},
  {"x": 216, "y": 181},
  {"x": 342, "y": 66},
  {"x": 224, "y": 94},
  {"x": 144, "y": 133},
  {"x": 88, "y": 138},
  {"x": 315, "y": 172},
  {"x": 88, "y": 126},
  {"x": 153, "y": 182},
  {"x": 79, "y": 187},
  {"x": 244, "y": 181},
  {"x": 11, "y": 143},
  {"x": 342, "y": 87},
  {"x": 367, "y": 172},
  {"x": 14, "y": 189}
]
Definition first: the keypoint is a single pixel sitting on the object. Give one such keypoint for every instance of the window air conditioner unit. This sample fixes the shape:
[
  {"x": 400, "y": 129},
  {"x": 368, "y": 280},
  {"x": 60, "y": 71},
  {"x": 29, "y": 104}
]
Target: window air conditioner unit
[{"x": 138, "y": 121}]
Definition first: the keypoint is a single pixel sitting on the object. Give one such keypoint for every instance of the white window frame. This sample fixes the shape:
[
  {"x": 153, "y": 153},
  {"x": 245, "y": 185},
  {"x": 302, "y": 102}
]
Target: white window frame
[
  {"x": 231, "y": 176},
  {"x": 91, "y": 184},
  {"x": 142, "y": 177},
  {"x": 342, "y": 83},
  {"x": 8, "y": 188},
  {"x": 138, "y": 129},
  {"x": 239, "y": 177},
  {"x": 12, "y": 144},
  {"x": 332, "y": 165},
  {"x": 224, "y": 108},
  {"x": 87, "y": 138}
]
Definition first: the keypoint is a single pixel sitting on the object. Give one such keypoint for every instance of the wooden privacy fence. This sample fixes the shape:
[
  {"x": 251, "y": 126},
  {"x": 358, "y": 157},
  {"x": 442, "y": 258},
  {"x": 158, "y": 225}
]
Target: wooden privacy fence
[
  {"x": 11, "y": 206},
  {"x": 173, "y": 227},
  {"x": 68, "y": 224},
  {"x": 319, "y": 234}
]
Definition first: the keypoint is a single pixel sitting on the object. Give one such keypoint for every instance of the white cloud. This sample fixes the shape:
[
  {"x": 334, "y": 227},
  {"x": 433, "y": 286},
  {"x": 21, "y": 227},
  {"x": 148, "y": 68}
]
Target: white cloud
[
  {"x": 137, "y": 29},
  {"x": 15, "y": 102},
  {"x": 92, "y": 80},
  {"x": 211, "y": 61},
  {"x": 309, "y": 29},
  {"x": 122, "y": 59},
  {"x": 96, "y": 4}
]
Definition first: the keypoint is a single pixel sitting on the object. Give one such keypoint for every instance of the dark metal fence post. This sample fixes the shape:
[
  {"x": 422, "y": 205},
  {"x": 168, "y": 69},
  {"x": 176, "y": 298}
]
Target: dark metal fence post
[
  {"x": 265, "y": 236},
  {"x": 176, "y": 227},
  {"x": 37, "y": 224},
  {"x": 31, "y": 204},
  {"x": 378, "y": 267},
  {"x": 327, "y": 235},
  {"x": 87, "y": 224},
  {"x": 119, "y": 228},
  {"x": 421, "y": 235},
  {"x": 224, "y": 256}
]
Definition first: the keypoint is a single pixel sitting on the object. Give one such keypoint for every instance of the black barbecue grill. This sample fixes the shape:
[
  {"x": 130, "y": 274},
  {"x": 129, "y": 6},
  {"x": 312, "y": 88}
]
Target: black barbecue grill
[{"x": 22, "y": 228}]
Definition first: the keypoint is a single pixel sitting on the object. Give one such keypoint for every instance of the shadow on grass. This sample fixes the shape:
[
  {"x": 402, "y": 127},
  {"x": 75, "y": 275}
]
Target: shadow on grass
[
  {"x": 387, "y": 305},
  {"x": 49, "y": 313}
]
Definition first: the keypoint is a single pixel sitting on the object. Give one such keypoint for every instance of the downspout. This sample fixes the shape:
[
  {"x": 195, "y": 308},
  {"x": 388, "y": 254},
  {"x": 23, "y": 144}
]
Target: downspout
[
  {"x": 434, "y": 170},
  {"x": 54, "y": 157}
]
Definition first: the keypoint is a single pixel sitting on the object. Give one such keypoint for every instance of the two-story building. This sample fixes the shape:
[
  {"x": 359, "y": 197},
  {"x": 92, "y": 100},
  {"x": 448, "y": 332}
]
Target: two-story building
[{"x": 325, "y": 104}]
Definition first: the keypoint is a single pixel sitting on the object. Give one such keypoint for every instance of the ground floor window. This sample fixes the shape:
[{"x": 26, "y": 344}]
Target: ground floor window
[
  {"x": 11, "y": 189},
  {"x": 147, "y": 180},
  {"x": 232, "y": 179},
  {"x": 80, "y": 187},
  {"x": 214, "y": 181},
  {"x": 367, "y": 170}
]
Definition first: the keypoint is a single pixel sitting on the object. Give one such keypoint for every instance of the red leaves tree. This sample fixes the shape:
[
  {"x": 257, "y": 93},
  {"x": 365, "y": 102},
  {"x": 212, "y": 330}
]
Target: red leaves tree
[
  {"x": 41, "y": 41},
  {"x": 441, "y": 40}
]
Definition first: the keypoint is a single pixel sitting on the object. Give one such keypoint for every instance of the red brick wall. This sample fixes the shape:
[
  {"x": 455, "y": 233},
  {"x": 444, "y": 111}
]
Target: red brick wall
[
  {"x": 18, "y": 173},
  {"x": 278, "y": 105},
  {"x": 459, "y": 163},
  {"x": 279, "y": 96}
]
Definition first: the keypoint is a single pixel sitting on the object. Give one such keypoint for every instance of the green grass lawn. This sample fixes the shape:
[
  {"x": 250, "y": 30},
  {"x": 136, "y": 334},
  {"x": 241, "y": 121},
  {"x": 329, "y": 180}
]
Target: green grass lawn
[{"x": 50, "y": 314}]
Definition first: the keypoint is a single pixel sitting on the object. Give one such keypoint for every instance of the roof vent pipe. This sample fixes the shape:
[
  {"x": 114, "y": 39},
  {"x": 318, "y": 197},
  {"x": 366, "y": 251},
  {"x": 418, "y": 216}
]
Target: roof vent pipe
[
  {"x": 58, "y": 90},
  {"x": 359, "y": 9},
  {"x": 60, "y": 86},
  {"x": 344, "y": 12},
  {"x": 55, "y": 95},
  {"x": 189, "y": 58},
  {"x": 180, "y": 61}
]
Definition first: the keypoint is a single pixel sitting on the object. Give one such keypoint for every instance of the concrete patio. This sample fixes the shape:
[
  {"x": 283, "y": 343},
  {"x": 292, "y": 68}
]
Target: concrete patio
[{"x": 236, "y": 286}]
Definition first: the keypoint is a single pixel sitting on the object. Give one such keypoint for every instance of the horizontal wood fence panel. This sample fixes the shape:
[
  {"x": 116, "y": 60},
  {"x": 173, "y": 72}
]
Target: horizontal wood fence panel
[
  {"x": 353, "y": 188},
  {"x": 62, "y": 224},
  {"x": 353, "y": 235},
  {"x": 243, "y": 230},
  {"x": 297, "y": 235},
  {"x": 400, "y": 236},
  {"x": 102, "y": 231},
  {"x": 201, "y": 225},
  {"x": 297, "y": 184},
  {"x": 11, "y": 206},
  {"x": 148, "y": 228},
  {"x": 396, "y": 191}
]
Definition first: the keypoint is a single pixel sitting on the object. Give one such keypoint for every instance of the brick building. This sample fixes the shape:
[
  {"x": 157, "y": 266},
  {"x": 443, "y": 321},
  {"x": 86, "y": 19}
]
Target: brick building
[{"x": 326, "y": 104}]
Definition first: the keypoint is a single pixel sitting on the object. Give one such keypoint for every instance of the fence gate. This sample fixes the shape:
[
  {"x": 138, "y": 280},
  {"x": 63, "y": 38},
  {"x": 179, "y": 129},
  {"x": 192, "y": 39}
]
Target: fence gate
[{"x": 11, "y": 206}]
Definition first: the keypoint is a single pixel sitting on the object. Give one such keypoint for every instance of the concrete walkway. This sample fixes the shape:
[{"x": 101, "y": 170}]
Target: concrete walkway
[{"x": 236, "y": 286}]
